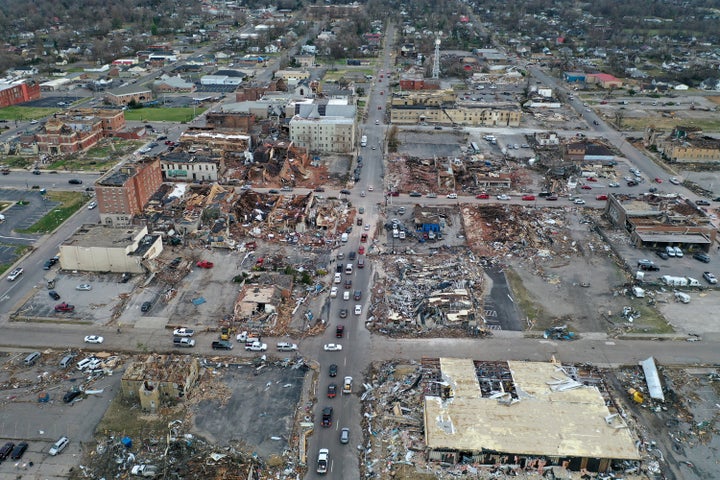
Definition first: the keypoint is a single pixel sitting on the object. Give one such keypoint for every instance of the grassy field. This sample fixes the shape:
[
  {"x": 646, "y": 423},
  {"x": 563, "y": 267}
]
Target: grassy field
[
  {"x": 667, "y": 124},
  {"x": 650, "y": 321},
  {"x": 101, "y": 157},
  {"x": 25, "y": 113},
  {"x": 184, "y": 114},
  {"x": 123, "y": 418},
  {"x": 19, "y": 252},
  {"x": 70, "y": 202}
]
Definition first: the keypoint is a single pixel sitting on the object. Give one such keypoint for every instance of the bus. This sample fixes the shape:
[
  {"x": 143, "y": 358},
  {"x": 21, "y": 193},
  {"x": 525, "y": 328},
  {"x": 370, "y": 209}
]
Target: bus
[{"x": 363, "y": 141}]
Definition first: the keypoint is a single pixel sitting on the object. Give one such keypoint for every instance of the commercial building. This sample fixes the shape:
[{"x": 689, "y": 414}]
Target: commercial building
[
  {"x": 324, "y": 127},
  {"x": 685, "y": 145},
  {"x": 124, "y": 191},
  {"x": 530, "y": 414},
  {"x": 190, "y": 167},
  {"x": 658, "y": 221},
  {"x": 126, "y": 95},
  {"x": 96, "y": 248}
]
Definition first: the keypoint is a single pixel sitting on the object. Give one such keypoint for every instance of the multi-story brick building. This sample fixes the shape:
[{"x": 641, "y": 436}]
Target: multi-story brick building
[
  {"x": 12, "y": 93},
  {"x": 124, "y": 191},
  {"x": 78, "y": 130}
]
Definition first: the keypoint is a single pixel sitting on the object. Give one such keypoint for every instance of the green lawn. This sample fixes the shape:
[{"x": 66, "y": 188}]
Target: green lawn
[
  {"x": 152, "y": 114},
  {"x": 70, "y": 202},
  {"x": 25, "y": 113}
]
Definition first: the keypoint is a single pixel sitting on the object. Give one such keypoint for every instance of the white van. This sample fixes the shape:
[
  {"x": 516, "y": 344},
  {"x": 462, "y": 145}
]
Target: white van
[
  {"x": 31, "y": 359},
  {"x": 670, "y": 251},
  {"x": 83, "y": 364},
  {"x": 344, "y": 238},
  {"x": 682, "y": 297}
]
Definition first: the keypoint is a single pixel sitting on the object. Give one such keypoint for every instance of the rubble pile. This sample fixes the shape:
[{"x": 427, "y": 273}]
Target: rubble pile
[
  {"x": 499, "y": 230},
  {"x": 418, "y": 295}
]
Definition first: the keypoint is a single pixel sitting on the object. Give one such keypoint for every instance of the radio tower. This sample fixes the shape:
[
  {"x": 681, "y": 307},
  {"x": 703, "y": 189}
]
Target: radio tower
[{"x": 436, "y": 59}]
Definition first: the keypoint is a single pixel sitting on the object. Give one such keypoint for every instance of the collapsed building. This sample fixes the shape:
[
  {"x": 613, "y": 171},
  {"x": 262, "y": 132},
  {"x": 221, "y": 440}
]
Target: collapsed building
[
  {"x": 488, "y": 414},
  {"x": 657, "y": 221},
  {"x": 160, "y": 379}
]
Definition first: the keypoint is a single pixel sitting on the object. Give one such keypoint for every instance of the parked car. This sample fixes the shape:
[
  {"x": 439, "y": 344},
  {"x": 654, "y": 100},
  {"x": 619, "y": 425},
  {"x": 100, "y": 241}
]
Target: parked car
[
  {"x": 64, "y": 307},
  {"x": 50, "y": 262},
  {"x": 146, "y": 306},
  {"x": 703, "y": 257},
  {"x": 601, "y": 197},
  {"x": 710, "y": 277},
  {"x": 674, "y": 181},
  {"x": 18, "y": 451},
  {"x": 221, "y": 345},
  {"x": 75, "y": 181},
  {"x": 358, "y": 309},
  {"x": 482, "y": 196},
  {"x": 59, "y": 446},
  {"x": 205, "y": 264},
  {"x": 585, "y": 187},
  {"x": 357, "y": 295},
  {"x": 332, "y": 347},
  {"x": 6, "y": 450},
  {"x": 332, "y": 370},
  {"x": 339, "y": 331},
  {"x": 613, "y": 185},
  {"x": 347, "y": 385},
  {"x": 54, "y": 295},
  {"x": 93, "y": 339},
  {"x": 678, "y": 252},
  {"x": 702, "y": 202},
  {"x": 528, "y": 198},
  {"x": 256, "y": 347},
  {"x": 286, "y": 347},
  {"x": 344, "y": 435},
  {"x": 84, "y": 287},
  {"x": 579, "y": 201},
  {"x": 71, "y": 395},
  {"x": 92, "y": 205},
  {"x": 415, "y": 194},
  {"x": 343, "y": 313},
  {"x": 452, "y": 195},
  {"x": 183, "y": 332},
  {"x": 662, "y": 254}
]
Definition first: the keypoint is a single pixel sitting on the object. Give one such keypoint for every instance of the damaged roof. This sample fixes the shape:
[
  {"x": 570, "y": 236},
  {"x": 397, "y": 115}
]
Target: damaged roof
[{"x": 569, "y": 421}]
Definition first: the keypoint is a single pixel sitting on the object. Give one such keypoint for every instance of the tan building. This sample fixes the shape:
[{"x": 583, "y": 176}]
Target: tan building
[
  {"x": 292, "y": 75},
  {"x": 124, "y": 191},
  {"x": 537, "y": 401},
  {"x": 96, "y": 248},
  {"x": 126, "y": 95},
  {"x": 323, "y": 134},
  {"x": 160, "y": 379},
  {"x": 441, "y": 107},
  {"x": 687, "y": 145}
]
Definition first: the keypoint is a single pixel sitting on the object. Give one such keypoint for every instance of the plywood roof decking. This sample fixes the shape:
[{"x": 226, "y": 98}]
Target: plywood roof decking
[{"x": 543, "y": 422}]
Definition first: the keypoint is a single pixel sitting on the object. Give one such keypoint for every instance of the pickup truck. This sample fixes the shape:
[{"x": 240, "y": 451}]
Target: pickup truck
[
  {"x": 183, "y": 342},
  {"x": 322, "y": 461},
  {"x": 256, "y": 347}
]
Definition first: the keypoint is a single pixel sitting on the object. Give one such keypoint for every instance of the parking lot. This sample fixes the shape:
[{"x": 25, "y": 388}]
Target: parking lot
[
  {"x": 260, "y": 409},
  {"x": 34, "y": 206},
  {"x": 34, "y": 412}
]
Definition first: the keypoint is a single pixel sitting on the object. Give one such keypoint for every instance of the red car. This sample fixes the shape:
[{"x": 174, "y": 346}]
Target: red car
[
  {"x": 601, "y": 197},
  {"x": 361, "y": 250},
  {"x": 332, "y": 390},
  {"x": 528, "y": 197},
  {"x": 363, "y": 237},
  {"x": 205, "y": 264},
  {"x": 586, "y": 187},
  {"x": 591, "y": 179},
  {"x": 482, "y": 196},
  {"x": 64, "y": 307},
  {"x": 658, "y": 180},
  {"x": 394, "y": 194}
]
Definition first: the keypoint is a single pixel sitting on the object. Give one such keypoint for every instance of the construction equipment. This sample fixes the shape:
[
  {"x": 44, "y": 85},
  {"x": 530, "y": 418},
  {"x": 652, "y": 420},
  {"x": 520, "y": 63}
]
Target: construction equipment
[
  {"x": 636, "y": 396},
  {"x": 226, "y": 333}
]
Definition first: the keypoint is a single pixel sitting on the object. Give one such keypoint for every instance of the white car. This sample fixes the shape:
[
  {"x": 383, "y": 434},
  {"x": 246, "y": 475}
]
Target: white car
[
  {"x": 256, "y": 347},
  {"x": 614, "y": 185},
  {"x": 183, "y": 332},
  {"x": 358, "y": 309},
  {"x": 710, "y": 277},
  {"x": 452, "y": 195},
  {"x": 347, "y": 385},
  {"x": 287, "y": 347},
  {"x": 370, "y": 188},
  {"x": 84, "y": 287},
  {"x": 92, "y": 205},
  {"x": 15, "y": 274},
  {"x": 503, "y": 197},
  {"x": 332, "y": 347},
  {"x": 579, "y": 201},
  {"x": 93, "y": 339},
  {"x": 674, "y": 181},
  {"x": 333, "y": 292}
]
